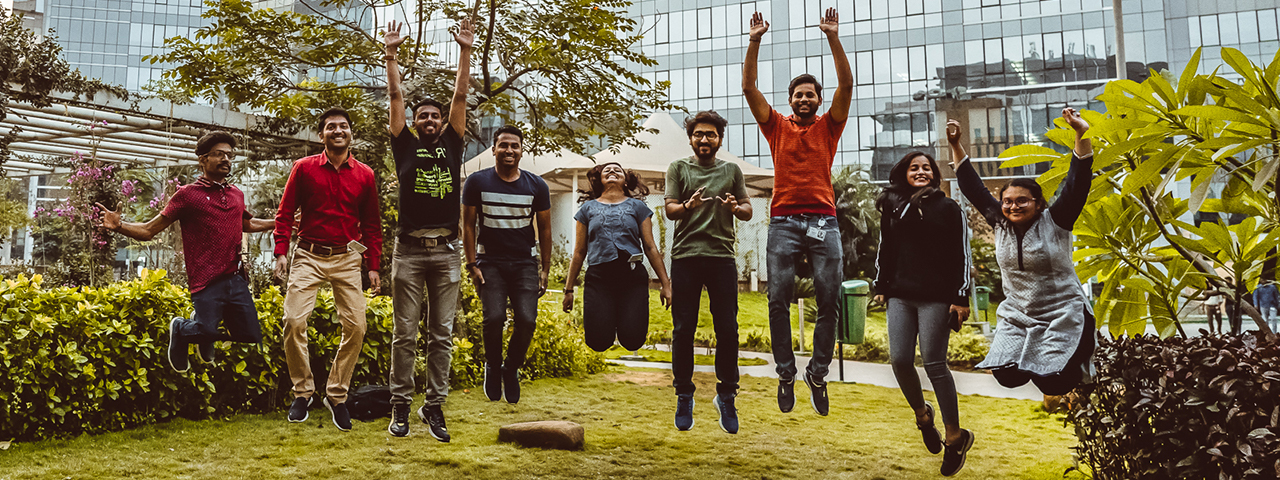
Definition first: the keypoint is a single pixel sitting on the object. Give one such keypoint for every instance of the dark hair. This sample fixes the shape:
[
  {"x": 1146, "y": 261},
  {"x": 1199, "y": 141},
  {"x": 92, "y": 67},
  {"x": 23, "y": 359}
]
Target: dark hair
[
  {"x": 427, "y": 102},
  {"x": 206, "y": 143},
  {"x": 332, "y": 112},
  {"x": 709, "y": 117},
  {"x": 801, "y": 80},
  {"x": 1032, "y": 186},
  {"x": 900, "y": 190},
  {"x": 634, "y": 185},
  {"x": 512, "y": 129}
]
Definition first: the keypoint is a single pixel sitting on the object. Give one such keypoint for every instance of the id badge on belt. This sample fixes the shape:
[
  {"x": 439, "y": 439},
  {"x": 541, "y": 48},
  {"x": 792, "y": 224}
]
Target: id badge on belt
[{"x": 816, "y": 232}]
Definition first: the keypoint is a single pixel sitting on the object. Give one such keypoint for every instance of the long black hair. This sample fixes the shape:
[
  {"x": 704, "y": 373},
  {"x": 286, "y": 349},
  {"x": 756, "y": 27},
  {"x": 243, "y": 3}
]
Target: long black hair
[{"x": 900, "y": 191}]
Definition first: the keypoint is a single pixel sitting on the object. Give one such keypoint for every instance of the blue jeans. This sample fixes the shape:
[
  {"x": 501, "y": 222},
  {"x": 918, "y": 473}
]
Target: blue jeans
[
  {"x": 788, "y": 241},
  {"x": 515, "y": 281},
  {"x": 225, "y": 300}
]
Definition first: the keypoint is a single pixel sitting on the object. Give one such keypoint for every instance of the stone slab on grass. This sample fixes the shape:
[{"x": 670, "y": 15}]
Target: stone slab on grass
[{"x": 559, "y": 435}]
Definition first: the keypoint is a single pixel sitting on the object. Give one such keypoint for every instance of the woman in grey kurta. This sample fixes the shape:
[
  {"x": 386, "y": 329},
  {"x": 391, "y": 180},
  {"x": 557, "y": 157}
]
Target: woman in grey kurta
[{"x": 1046, "y": 330}]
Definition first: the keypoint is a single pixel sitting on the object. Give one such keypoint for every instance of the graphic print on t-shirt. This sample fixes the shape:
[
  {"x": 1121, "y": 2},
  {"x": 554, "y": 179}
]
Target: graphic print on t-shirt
[{"x": 436, "y": 182}]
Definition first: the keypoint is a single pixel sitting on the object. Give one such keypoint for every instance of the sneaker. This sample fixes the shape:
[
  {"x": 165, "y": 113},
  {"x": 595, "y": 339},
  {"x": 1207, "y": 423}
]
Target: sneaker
[
  {"x": 341, "y": 418},
  {"x": 817, "y": 394},
  {"x": 492, "y": 382},
  {"x": 399, "y": 426},
  {"x": 177, "y": 348},
  {"x": 511, "y": 384},
  {"x": 298, "y": 410},
  {"x": 684, "y": 411},
  {"x": 932, "y": 439},
  {"x": 208, "y": 352},
  {"x": 434, "y": 418},
  {"x": 954, "y": 456},
  {"x": 786, "y": 395},
  {"x": 728, "y": 413}
]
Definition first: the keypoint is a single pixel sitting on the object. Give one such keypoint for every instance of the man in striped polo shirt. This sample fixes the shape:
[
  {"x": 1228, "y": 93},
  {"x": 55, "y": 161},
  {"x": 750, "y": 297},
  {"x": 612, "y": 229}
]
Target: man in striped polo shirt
[{"x": 505, "y": 201}]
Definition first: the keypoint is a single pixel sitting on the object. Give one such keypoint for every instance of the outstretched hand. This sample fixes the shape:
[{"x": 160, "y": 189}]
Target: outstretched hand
[
  {"x": 830, "y": 23},
  {"x": 729, "y": 201},
  {"x": 696, "y": 199},
  {"x": 1073, "y": 118},
  {"x": 466, "y": 37},
  {"x": 758, "y": 26},
  {"x": 393, "y": 39},
  {"x": 110, "y": 219}
]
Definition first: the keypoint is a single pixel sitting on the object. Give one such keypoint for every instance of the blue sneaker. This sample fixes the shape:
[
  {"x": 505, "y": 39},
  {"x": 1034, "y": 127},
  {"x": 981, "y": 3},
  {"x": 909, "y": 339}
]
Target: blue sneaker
[
  {"x": 684, "y": 411},
  {"x": 728, "y": 413}
]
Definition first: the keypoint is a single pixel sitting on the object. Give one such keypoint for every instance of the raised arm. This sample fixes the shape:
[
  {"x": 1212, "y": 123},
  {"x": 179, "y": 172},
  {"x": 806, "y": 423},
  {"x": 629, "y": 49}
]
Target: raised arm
[
  {"x": 755, "y": 99},
  {"x": 458, "y": 107},
  {"x": 839, "y": 110},
  {"x": 1075, "y": 188},
  {"x": 111, "y": 220},
  {"x": 393, "y": 39},
  {"x": 970, "y": 183}
]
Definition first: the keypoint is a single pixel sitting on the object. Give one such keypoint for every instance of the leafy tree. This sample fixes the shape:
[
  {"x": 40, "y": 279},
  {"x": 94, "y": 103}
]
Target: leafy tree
[
  {"x": 1194, "y": 128},
  {"x": 859, "y": 221},
  {"x": 561, "y": 67}
]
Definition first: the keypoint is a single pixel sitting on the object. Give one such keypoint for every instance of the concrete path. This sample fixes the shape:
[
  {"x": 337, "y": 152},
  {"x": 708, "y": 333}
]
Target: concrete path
[{"x": 878, "y": 374}]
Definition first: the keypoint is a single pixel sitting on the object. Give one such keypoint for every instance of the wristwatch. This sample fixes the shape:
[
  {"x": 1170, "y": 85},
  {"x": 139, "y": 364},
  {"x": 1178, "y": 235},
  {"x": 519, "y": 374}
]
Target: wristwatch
[{"x": 471, "y": 265}]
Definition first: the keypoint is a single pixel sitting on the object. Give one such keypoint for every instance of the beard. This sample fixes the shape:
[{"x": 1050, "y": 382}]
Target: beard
[{"x": 697, "y": 152}]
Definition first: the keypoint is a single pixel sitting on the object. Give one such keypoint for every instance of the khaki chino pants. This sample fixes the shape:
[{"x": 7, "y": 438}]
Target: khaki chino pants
[{"x": 306, "y": 274}]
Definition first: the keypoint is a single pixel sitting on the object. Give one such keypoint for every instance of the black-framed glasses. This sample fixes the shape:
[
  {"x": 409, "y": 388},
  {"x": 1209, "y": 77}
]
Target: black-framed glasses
[
  {"x": 1018, "y": 202},
  {"x": 707, "y": 135}
]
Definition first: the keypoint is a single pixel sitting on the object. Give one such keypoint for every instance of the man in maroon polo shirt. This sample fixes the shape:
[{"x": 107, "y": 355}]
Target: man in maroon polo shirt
[
  {"x": 340, "y": 220},
  {"x": 212, "y": 215}
]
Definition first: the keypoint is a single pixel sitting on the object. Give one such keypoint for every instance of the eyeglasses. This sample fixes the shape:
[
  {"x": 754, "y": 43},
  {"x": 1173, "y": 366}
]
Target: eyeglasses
[
  {"x": 1019, "y": 202},
  {"x": 219, "y": 155},
  {"x": 706, "y": 135}
]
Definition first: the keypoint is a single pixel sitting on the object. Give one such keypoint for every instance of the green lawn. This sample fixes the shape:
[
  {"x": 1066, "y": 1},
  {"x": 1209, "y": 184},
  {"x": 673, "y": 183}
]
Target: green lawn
[
  {"x": 627, "y": 414},
  {"x": 663, "y": 356}
]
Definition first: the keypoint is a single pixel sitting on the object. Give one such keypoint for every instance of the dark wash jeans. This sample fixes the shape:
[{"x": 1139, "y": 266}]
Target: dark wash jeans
[
  {"x": 720, "y": 276},
  {"x": 788, "y": 242},
  {"x": 225, "y": 300},
  {"x": 515, "y": 281}
]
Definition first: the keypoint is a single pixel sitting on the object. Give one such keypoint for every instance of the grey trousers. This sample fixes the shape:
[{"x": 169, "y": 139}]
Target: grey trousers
[
  {"x": 908, "y": 320},
  {"x": 439, "y": 268}
]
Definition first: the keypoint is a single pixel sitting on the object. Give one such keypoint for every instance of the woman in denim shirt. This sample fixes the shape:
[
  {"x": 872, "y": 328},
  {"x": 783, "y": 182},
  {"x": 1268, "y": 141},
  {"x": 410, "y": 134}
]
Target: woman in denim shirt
[{"x": 614, "y": 234}]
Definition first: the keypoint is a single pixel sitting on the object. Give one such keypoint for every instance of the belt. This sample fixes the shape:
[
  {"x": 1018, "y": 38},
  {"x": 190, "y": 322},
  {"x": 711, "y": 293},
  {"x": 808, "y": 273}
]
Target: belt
[
  {"x": 321, "y": 249},
  {"x": 427, "y": 242}
]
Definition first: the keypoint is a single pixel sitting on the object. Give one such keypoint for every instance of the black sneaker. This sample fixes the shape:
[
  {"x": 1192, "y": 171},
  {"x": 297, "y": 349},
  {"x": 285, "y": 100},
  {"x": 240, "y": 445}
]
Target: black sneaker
[
  {"x": 786, "y": 395},
  {"x": 434, "y": 418},
  {"x": 511, "y": 384},
  {"x": 492, "y": 382},
  {"x": 954, "y": 456},
  {"x": 208, "y": 352},
  {"x": 932, "y": 439},
  {"x": 298, "y": 410},
  {"x": 341, "y": 417},
  {"x": 177, "y": 348},
  {"x": 684, "y": 411},
  {"x": 817, "y": 395},
  {"x": 399, "y": 426},
  {"x": 728, "y": 413}
]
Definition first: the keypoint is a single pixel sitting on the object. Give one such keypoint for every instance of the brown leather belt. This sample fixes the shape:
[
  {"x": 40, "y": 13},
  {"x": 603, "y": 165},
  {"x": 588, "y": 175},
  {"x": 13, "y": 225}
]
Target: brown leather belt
[
  {"x": 321, "y": 249},
  {"x": 427, "y": 242}
]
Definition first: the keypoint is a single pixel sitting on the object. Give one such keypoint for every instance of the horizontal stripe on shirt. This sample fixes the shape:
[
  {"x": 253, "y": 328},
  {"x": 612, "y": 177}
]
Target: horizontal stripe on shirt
[
  {"x": 507, "y": 222},
  {"x": 506, "y": 211},
  {"x": 510, "y": 199}
]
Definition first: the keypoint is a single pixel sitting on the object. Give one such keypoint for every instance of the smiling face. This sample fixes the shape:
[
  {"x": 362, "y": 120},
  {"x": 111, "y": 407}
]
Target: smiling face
[
  {"x": 705, "y": 141},
  {"x": 613, "y": 174},
  {"x": 805, "y": 100},
  {"x": 1019, "y": 206},
  {"x": 216, "y": 164},
  {"x": 427, "y": 120},
  {"x": 507, "y": 150},
  {"x": 919, "y": 173},
  {"x": 336, "y": 133}
]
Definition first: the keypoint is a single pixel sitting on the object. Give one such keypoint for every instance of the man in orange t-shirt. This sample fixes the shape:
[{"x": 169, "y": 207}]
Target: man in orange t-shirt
[{"x": 803, "y": 208}]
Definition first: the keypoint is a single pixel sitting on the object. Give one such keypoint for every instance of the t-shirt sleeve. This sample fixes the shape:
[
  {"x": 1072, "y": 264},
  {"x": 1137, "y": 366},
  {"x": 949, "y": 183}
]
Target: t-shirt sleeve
[
  {"x": 739, "y": 188},
  {"x": 471, "y": 189},
  {"x": 675, "y": 184},
  {"x": 584, "y": 213},
  {"x": 177, "y": 204},
  {"x": 770, "y": 127},
  {"x": 402, "y": 144},
  {"x": 541, "y": 194},
  {"x": 835, "y": 129},
  {"x": 641, "y": 210}
]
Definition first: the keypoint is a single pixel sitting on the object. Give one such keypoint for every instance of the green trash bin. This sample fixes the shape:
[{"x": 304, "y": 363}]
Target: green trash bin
[
  {"x": 853, "y": 310},
  {"x": 983, "y": 301}
]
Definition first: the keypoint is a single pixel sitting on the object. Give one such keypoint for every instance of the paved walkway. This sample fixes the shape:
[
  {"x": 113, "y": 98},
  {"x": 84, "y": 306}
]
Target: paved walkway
[{"x": 879, "y": 374}]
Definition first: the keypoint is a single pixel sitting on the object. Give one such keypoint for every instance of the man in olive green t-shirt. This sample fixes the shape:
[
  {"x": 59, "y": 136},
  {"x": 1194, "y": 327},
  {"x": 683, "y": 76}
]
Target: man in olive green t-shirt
[{"x": 704, "y": 195}]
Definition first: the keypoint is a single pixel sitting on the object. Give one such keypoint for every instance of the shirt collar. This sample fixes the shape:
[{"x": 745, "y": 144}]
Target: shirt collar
[{"x": 204, "y": 181}]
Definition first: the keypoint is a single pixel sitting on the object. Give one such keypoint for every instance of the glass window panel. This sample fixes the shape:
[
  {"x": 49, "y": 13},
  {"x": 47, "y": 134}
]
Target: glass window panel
[
  {"x": 690, "y": 83},
  {"x": 1019, "y": 118},
  {"x": 867, "y": 128},
  {"x": 1229, "y": 29},
  {"x": 719, "y": 17},
  {"x": 997, "y": 125},
  {"x": 1193, "y": 30},
  {"x": 1248, "y": 27},
  {"x": 796, "y": 14},
  {"x": 863, "y": 68},
  {"x": 1073, "y": 44},
  {"x": 897, "y": 8},
  {"x": 746, "y": 10},
  {"x": 676, "y": 27},
  {"x": 935, "y": 61},
  {"x": 883, "y": 70},
  {"x": 978, "y": 126},
  {"x": 1013, "y": 49},
  {"x": 661, "y": 28},
  {"x": 704, "y": 82},
  {"x": 898, "y": 59},
  {"x": 879, "y": 9},
  {"x": 916, "y": 63},
  {"x": 915, "y": 7},
  {"x": 932, "y": 6},
  {"x": 1053, "y": 50},
  {"x": 920, "y": 129},
  {"x": 861, "y": 10},
  {"x": 1209, "y": 30},
  {"x": 1094, "y": 39},
  {"x": 764, "y": 77},
  {"x": 973, "y": 52},
  {"x": 1033, "y": 52},
  {"x": 994, "y": 55},
  {"x": 1267, "y": 28},
  {"x": 704, "y": 23}
]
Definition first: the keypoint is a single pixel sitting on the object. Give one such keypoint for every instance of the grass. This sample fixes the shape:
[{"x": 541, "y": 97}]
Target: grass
[
  {"x": 627, "y": 415},
  {"x": 662, "y": 356}
]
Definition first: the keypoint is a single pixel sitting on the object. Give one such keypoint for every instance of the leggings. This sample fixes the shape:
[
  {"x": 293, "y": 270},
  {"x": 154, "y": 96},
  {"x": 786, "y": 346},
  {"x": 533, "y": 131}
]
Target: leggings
[
  {"x": 615, "y": 304},
  {"x": 909, "y": 319},
  {"x": 1055, "y": 383}
]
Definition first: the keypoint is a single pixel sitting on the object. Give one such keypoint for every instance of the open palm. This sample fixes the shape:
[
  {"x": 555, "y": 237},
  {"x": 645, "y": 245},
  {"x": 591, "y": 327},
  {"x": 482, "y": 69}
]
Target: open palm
[
  {"x": 393, "y": 38},
  {"x": 830, "y": 23}
]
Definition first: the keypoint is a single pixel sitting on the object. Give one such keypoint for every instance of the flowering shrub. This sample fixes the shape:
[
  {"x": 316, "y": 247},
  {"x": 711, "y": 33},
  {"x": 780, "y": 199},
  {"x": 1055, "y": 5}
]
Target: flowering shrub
[{"x": 83, "y": 253}]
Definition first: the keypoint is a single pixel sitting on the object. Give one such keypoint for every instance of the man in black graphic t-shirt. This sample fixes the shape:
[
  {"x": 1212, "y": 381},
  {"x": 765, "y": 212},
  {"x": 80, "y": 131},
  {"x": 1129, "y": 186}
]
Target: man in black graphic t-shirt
[{"x": 427, "y": 251}]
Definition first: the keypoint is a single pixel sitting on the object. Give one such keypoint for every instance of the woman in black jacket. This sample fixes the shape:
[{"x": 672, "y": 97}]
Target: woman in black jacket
[{"x": 923, "y": 271}]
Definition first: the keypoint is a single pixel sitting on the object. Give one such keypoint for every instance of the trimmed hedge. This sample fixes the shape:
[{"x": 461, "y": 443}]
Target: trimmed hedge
[
  {"x": 84, "y": 360},
  {"x": 1203, "y": 407}
]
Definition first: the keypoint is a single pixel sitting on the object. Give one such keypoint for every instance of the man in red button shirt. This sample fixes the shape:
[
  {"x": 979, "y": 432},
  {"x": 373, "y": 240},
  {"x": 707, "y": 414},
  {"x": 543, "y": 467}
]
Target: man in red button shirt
[
  {"x": 803, "y": 209},
  {"x": 340, "y": 220},
  {"x": 213, "y": 216}
]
